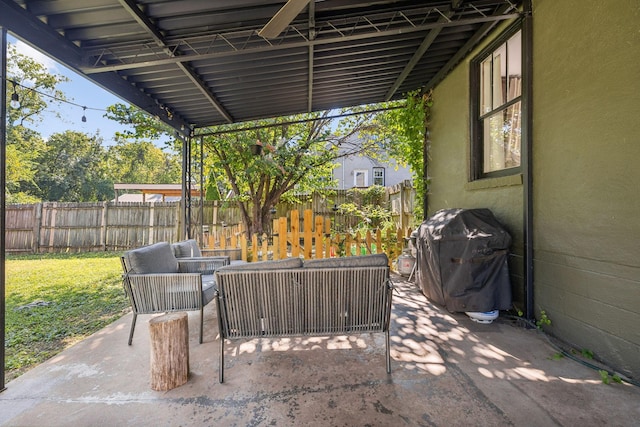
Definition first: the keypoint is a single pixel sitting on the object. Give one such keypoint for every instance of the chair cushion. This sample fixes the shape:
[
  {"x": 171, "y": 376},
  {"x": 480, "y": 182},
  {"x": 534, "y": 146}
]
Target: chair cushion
[
  {"x": 186, "y": 249},
  {"x": 208, "y": 288},
  {"x": 377, "y": 260},
  {"x": 156, "y": 258},
  {"x": 263, "y": 265}
]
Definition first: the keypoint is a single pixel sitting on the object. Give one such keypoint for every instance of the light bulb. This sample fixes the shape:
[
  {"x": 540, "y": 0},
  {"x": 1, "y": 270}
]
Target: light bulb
[{"x": 15, "y": 101}]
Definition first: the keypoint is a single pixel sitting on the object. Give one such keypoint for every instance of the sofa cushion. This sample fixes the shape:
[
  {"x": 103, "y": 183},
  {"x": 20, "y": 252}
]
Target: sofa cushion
[
  {"x": 263, "y": 265},
  {"x": 377, "y": 260},
  {"x": 186, "y": 249},
  {"x": 156, "y": 258}
]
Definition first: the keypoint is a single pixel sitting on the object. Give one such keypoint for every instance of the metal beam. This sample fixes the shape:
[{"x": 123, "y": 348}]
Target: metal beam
[
  {"x": 270, "y": 47},
  {"x": 424, "y": 46},
  {"x": 470, "y": 44},
  {"x": 48, "y": 41},
  {"x": 133, "y": 9}
]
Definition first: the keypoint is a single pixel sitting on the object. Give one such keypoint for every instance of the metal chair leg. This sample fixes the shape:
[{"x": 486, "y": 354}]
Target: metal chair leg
[
  {"x": 221, "y": 368},
  {"x": 201, "y": 322},
  {"x": 133, "y": 326},
  {"x": 388, "y": 352}
]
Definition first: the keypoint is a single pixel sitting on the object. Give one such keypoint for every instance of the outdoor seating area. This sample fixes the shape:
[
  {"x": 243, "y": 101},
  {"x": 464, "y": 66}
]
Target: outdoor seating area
[{"x": 446, "y": 370}]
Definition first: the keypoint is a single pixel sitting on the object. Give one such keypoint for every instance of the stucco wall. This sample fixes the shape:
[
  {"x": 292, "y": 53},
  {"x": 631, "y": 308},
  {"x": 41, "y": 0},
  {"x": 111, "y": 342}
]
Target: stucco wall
[
  {"x": 449, "y": 170},
  {"x": 586, "y": 200},
  {"x": 587, "y": 173}
]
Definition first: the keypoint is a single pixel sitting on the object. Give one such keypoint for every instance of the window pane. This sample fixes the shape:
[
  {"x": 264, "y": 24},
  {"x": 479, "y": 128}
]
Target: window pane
[
  {"x": 360, "y": 179},
  {"x": 485, "y": 86},
  {"x": 514, "y": 72},
  {"x": 500, "y": 76},
  {"x": 502, "y": 137}
]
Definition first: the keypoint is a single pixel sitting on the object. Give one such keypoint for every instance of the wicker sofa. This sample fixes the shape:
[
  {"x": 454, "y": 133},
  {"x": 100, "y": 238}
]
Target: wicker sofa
[
  {"x": 284, "y": 298},
  {"x": 156, "y": 281}
]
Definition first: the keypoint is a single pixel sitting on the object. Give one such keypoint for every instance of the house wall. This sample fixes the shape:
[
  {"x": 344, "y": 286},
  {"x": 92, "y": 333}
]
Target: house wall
[
  {"x": 586, "y": 148},
  {"x": 394, "y": 173}
]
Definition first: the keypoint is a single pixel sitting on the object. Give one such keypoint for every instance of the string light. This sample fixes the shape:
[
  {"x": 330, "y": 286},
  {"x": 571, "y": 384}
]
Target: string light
[
  {"x": 15, "y": 103},
  {"x": 15, "y": 99}
]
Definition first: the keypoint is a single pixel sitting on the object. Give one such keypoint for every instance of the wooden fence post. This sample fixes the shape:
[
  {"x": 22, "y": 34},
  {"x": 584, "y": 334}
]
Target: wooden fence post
[
  {"x": 295, "y": 233},
  {"x": 308, "y": 234},
  {"x": 36, "y": 228}
]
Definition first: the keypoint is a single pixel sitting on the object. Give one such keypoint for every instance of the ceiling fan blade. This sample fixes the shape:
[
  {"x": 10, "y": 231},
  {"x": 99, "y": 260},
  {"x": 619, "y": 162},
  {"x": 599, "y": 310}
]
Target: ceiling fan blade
[{"x": 282, "y": 19}]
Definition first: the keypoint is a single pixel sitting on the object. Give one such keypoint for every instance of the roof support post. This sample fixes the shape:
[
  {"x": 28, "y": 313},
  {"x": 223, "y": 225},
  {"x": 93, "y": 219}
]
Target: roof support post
[
  {"x": 202, "y": 190},
  {"x": 3, "y": 182},
  {"x": 527, "y": 157},
  {"x": 185, "y": 201}
]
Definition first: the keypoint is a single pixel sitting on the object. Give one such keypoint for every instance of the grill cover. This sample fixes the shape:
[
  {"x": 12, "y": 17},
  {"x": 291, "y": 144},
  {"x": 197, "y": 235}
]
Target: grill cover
[{"x": 462, "y": 260}]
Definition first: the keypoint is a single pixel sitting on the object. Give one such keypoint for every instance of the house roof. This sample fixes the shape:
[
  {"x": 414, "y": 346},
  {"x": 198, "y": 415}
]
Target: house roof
[{"x": 197, "y": 63}]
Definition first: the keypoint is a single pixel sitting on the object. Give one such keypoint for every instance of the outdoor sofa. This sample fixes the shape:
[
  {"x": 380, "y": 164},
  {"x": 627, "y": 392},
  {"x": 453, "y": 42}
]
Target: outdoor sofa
[{"x": 291, "y": 297}]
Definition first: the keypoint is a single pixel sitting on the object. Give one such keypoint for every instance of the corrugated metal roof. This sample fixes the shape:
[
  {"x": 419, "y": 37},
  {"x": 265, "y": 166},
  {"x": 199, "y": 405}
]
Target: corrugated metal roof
[{"x": 203, "y": 63}]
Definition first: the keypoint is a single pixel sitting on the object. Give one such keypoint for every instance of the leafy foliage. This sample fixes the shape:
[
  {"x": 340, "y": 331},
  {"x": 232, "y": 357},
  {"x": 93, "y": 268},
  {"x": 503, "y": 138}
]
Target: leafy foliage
[
  {"x": 404, "y": 132},
  {"x": 142, "y": 162},
  {"x": 71, "y": 168},
  {"x": 297, "y": 153}
]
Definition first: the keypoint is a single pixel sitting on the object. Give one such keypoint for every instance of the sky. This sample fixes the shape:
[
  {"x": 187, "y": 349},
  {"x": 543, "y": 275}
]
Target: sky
[{"x": 80, "y": 91}]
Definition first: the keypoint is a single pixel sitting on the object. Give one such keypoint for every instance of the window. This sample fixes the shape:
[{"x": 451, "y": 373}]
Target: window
[
  {"x": 378, "y": 176},
  {"x": 360, "y": 178},
  {"x": 497, "y": 87}
]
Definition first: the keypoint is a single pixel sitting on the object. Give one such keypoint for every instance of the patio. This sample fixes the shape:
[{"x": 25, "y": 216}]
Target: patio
[{"x": 446, "y": 370}]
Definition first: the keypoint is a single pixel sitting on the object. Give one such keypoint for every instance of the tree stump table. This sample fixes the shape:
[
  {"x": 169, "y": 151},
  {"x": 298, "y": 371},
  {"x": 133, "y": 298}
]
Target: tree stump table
[{"x": 169, "y": 335}]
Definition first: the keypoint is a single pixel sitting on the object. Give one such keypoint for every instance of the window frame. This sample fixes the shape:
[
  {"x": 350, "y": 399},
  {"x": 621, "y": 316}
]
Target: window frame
[
  {"x": 355, "y": 178},
  {"x": 476, "y": 132},
  {"x": 379, "y": 169}
]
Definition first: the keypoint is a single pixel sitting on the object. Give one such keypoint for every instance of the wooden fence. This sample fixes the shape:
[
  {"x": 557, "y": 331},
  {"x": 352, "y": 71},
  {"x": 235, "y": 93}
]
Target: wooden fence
[
  {"x": 108, "y": 226},
  {"x": 309, "y": 236},
  {"x": 86, "y": 227}
]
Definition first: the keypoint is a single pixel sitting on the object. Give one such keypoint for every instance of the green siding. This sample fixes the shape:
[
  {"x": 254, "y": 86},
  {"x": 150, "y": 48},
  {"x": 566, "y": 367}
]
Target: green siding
[{"x": 586, "y": 150}]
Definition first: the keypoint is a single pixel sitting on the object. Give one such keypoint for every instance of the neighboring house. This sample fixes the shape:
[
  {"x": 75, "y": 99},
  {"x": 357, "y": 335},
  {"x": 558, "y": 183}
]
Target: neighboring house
[
  {"x": 363, "y": 171},
  {"x": 151, "y": 192},
  {"x": 570, "y": 107}
]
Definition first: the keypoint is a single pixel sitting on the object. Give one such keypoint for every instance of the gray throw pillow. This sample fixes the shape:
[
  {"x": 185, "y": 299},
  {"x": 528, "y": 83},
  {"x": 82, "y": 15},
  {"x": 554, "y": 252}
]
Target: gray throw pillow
[
  {"x": 156, "y": 258},
  {"x": 186, "y": 249}
]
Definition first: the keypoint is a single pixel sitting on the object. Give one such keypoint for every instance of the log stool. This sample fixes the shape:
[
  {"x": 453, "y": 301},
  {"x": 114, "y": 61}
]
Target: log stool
[{"x": 169, "y": 336}]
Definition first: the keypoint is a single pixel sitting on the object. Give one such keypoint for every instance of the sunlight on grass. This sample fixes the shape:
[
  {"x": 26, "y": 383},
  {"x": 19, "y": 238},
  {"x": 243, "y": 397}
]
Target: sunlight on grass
[{"x": 55, "y": 300}]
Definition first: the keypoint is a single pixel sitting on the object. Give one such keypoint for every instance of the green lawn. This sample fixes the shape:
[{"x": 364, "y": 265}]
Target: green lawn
[{"x": 56, "y": 300}]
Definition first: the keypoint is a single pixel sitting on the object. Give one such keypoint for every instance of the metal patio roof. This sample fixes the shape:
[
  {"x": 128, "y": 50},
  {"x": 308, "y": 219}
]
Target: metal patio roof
[{"x": 198, "y": 63}]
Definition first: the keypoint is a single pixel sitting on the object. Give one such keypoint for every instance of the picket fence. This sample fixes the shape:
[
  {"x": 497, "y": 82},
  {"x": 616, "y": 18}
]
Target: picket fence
[{"x": 309, "y": 236}]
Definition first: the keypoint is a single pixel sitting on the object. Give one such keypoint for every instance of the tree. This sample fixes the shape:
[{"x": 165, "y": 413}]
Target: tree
[
  {"x": 142, "y": 162},
  {"x": 72, "y": 169},
  {"x": 298, "y": 154},
  {"x": 30, "y": 80},
  {"x": 22, "y": 154}
]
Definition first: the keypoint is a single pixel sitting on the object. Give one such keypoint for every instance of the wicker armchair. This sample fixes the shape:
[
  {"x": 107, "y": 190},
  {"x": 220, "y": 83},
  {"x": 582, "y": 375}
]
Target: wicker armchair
[{"x": 155, "y": 281}]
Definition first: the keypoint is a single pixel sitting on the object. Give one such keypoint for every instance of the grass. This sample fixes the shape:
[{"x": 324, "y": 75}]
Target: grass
[{"x": 56, "y": 300}]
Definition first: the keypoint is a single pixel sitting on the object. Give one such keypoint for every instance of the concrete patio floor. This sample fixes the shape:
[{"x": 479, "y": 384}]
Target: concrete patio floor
[{"x": 446, "y": 371}]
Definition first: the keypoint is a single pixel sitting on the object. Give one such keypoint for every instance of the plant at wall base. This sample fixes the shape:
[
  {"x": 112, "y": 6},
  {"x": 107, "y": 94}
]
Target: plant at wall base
[
  {"x": 543, "y": 320},
  {"x": 606, "y": 378}
]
